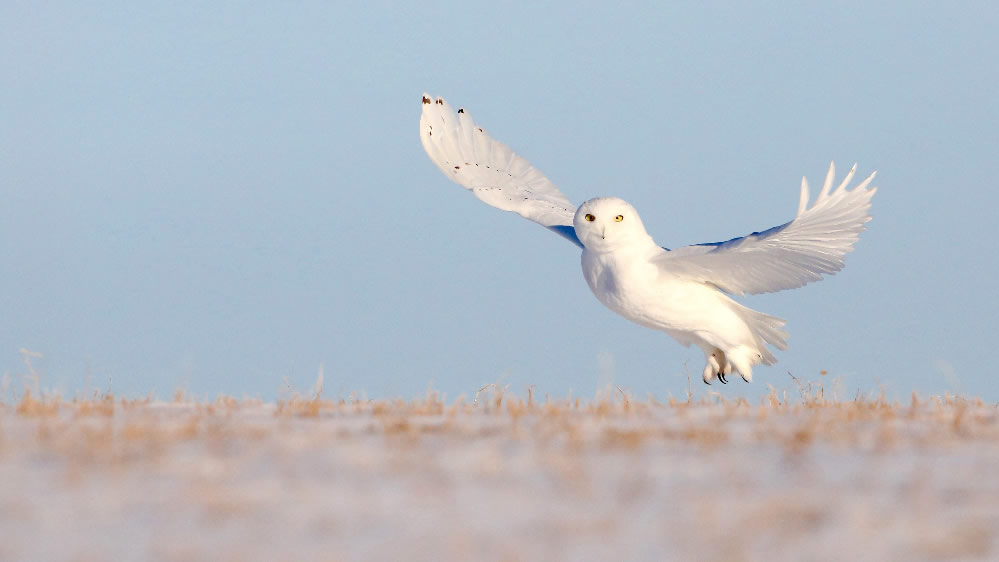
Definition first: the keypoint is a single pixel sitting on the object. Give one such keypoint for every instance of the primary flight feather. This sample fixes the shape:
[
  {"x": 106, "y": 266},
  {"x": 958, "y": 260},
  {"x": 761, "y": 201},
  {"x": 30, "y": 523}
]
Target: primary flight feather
[{"x": 681, "y": 291}]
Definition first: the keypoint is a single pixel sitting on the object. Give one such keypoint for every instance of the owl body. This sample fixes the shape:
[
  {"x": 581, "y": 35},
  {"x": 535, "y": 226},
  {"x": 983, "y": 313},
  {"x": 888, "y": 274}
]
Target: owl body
[
  {"x": 635, "y": 289},
  {"x": 620, "y": 265}
]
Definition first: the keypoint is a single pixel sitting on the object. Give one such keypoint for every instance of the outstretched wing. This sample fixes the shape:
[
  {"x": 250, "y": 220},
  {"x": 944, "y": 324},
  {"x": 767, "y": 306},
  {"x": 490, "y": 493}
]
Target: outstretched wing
[
  {"x": 493, "y": 172},
  {"x": 786, "y": 256}
]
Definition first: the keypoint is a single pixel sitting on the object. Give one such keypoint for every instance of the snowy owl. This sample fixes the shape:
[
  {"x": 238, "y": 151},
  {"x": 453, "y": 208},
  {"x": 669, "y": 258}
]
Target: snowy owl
[{"x": 681, "y": 291}]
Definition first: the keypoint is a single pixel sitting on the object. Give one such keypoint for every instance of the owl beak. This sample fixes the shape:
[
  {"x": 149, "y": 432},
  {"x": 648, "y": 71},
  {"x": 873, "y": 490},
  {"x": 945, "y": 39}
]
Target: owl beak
[{"x": 603, "y": 233}]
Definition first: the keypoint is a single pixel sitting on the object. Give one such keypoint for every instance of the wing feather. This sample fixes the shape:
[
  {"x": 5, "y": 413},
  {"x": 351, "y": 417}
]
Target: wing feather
[
  {"x": 787, "y": 256},
  {"x": 488, "y": 168}
]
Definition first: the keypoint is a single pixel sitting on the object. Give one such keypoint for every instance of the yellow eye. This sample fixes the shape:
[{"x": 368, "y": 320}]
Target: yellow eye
[
  {"x": 589, "y": 217},
  {"x": 619, "y": 218}
]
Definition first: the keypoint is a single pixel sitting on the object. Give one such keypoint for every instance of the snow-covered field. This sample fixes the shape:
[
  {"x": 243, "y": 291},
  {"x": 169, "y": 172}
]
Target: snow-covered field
[{"x": 498, "y": 477}]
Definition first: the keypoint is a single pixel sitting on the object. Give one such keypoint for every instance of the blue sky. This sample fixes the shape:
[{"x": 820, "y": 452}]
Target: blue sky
[{"x": 221, "y": 197}]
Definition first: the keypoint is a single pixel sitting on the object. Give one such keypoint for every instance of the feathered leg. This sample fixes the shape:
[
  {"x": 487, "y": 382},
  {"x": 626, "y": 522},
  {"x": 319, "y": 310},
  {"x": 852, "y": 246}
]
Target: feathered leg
[
  {"x": 711, "y": 368},
  {"x": 716, "y": 366}
]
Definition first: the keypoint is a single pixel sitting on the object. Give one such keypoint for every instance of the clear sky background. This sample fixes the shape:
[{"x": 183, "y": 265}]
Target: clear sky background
[{"x": 223, "y": 197}]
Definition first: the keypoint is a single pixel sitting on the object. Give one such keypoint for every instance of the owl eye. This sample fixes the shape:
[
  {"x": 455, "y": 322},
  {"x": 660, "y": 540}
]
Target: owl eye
[
  {"x": 619, "y": 218},
  {"x": 589, "y": 217}
]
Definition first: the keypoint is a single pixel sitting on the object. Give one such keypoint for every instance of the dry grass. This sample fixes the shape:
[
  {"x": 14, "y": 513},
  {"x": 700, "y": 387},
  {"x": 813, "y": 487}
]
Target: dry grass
[
  {"x": 793, "y": 420},
  {"x": 713, "y": 478}
]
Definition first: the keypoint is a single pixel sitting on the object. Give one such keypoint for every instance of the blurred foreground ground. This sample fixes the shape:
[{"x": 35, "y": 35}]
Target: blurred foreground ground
[{"x": 500, "y": 477}]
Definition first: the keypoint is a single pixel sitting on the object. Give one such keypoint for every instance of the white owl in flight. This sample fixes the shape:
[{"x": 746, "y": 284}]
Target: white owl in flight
[{"x": 680, "y": 291}]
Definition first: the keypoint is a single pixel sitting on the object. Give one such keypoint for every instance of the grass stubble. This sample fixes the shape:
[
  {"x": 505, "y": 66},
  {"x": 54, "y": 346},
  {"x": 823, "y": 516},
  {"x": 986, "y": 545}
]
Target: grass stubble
[{"x": 498, "y": 475}]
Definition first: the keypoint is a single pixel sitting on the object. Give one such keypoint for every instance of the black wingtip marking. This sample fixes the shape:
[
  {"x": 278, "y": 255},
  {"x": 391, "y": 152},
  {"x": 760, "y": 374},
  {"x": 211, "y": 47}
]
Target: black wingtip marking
[
  {"x": 461, "y": 110},
  {"x": 426, "y": 100},
  {"x": 440, "y": 101}
]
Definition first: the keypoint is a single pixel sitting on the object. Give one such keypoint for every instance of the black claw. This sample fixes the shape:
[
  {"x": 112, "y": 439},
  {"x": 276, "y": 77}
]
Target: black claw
[
  {"x": 707, "y": 383},
  {"x": 721, "y": 377}
]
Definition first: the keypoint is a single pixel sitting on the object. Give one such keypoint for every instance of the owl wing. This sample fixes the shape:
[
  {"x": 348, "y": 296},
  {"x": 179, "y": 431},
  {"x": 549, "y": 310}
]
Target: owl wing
[
  {"x": 490, "y": 170},
  {"x": 786, "y": 256}
]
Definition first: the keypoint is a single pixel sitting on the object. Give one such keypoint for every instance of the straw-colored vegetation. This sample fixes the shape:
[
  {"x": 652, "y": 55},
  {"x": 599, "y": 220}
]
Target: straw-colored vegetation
[{"x": 498, "y": 475}]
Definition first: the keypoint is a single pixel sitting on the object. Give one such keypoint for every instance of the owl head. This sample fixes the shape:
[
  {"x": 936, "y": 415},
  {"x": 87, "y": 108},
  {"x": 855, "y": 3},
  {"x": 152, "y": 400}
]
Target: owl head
[{"x": 607, "y": 224}]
